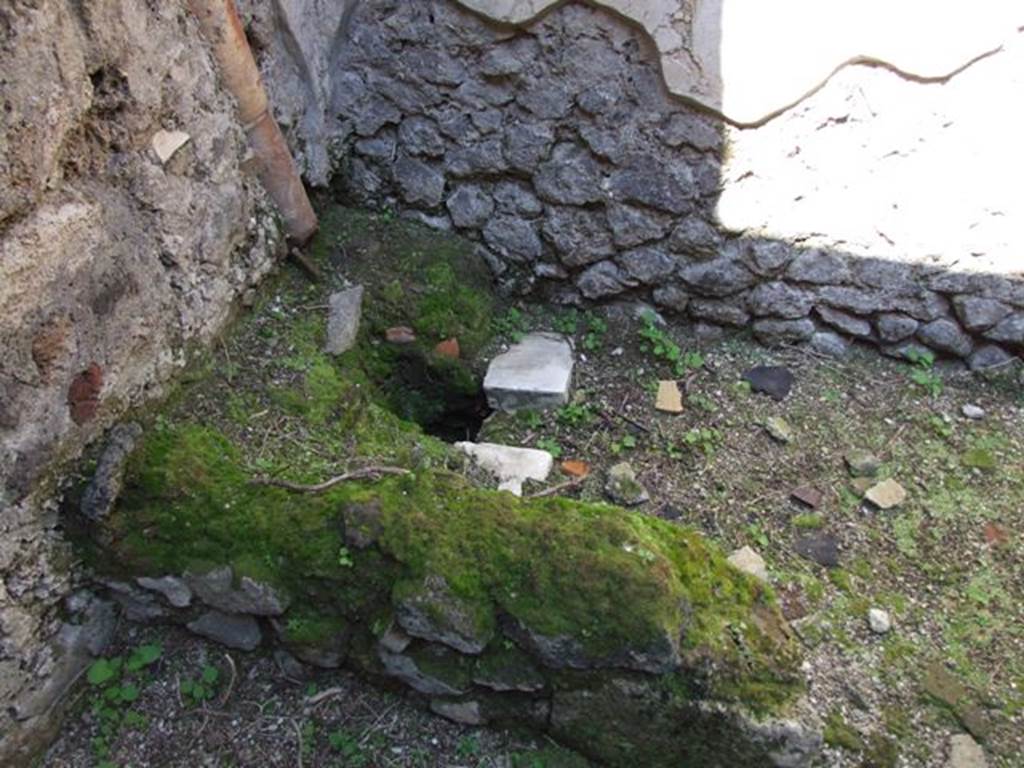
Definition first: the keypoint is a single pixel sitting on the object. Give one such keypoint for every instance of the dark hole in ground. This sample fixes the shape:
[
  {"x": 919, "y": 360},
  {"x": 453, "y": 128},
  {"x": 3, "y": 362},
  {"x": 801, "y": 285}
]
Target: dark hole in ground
[{"x": 443, "y": 397}]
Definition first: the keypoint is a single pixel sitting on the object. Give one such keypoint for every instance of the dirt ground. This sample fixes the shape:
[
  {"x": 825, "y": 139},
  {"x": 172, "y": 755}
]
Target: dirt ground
[{"x": 946, "y": 564}]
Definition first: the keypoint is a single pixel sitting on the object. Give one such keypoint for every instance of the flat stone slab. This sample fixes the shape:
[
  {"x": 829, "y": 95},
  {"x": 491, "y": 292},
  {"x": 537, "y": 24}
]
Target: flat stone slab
[
  {"x": 512, "y": 466},
  {"x": 344, "y": 311},
  {"x": 534, "y": 374}
]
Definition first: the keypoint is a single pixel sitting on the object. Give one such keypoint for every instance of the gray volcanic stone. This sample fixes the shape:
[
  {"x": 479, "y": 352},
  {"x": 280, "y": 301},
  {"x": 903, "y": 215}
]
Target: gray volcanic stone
[
  {"x": 377, "y": 113},
  {"x": 821, "y": 548},
  {"x": 240, "y": 632},
  {"x": 571, "y": 176},
  {"x": 648, "y": 180},
  {"x": 856, "y": 300},
  {"x": 881, "y": 273},
  {"x": 513, "y": 238},
  {"x": 636, "y": 226},
  {"x": 343, "y": 316},
  {"x": 479, "y": 95},
  {"x": 895, "y": 327},
  {"x": 470, "y": 206},
  {"x": 380, "y": 147},
  {"x": 464, "y": 712},
  {"x": 405, "y": 669},
  {"x": 580, "y": 236},
  {"x": 487, "y": 120},
  {"x": 695, "y": 236},
  {"x": 988, "y": 356},
  {"x": 773, "y": 332},
  {"x": 946, "y": 336},
  {"x": 604, "y": 279},
  {"x": 717, "y": 278},
  {"x": 671, "y": 297},
  {"x": 514, "y": 197},
  {"x": 174, "y": 590},
  {"x": 720, "y": 312},
  {"x": 848, "y": 324},
  {"x": 435, "y": 66},
  {"x": 776, "y": 381},
  {"x": 434, "y": 613},
  {"x": 419, "y": 182},
  {"x": 420, "y": 136},
  {"x": 829, "y": 343},
  {"x": 534, "y": 374},
  {"x": 501, "y": 62},
  {"x": 779, "y": 300},
  {"x": 648, "y": 265},
  {"x": 598, "y": 100},
  {"x": 978, "y": 313},
  {"x": 818, "y": 267},
  {"x": 217, "y": 589},
  {"x": 1010, "y": 330},
  {"x": 484, "y": 159},
  {"x": 765, "y": 257},
  {"x": 607, "y": 144},
  {"x": 623, "y": 488},
  {"x": 547, "y": 98},
  {"x": 526, "y": 145},
  {"x": 691, "y": 129},
  {"x": 104, "y": 488}
]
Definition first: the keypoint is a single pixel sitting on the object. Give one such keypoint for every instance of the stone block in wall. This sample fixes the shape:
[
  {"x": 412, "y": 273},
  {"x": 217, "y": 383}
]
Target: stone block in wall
[
  {"x": 695, "y": 237},
  {"x": 717, "y": 278},
  {"x": 671, "y": 297},
  {"x": 633, "y": 226},
  {"x": 977, "y": 313},
  {"x": 850, "y": 324},
  {"x": 580, "y": 236},
  {"x": 647, "y": 180},
  {"x": 776, "y": 332},
  {"x": 571, "y": 176},
  {"x": 1009, "y": 330},
  {"x": 649, "y": 265},
  {"x": 946, "y": 336},
  {"x": 517, "y": 198},
  {"x": 470, "y": 206},
  {"x": 728, "y": 312},
  {"x": 419, "y": 135},
  {"x": 893, "y": 327},
  {"x": 779, "y": 300},
  {"x": 527, "y": 144},
  {"x": 419, "y": 182},
  {"x": 604, "y": 279},
  {"x": 515, "y": 239},
  {"x": 818, "y": 267}
]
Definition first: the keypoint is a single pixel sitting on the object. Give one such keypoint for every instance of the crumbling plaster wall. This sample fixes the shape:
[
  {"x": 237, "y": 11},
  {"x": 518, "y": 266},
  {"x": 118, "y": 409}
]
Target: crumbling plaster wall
[{"x": 112, "y": 264}]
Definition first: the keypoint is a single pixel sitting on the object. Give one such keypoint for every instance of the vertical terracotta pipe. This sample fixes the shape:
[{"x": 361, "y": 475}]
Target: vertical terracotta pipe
[{"x": 222, "y": 28}]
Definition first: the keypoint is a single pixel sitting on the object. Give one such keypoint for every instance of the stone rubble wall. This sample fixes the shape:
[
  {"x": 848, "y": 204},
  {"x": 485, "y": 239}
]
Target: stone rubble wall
[
  {"x": 112, "y": 264},
  {"x": 558, "y": 147}
]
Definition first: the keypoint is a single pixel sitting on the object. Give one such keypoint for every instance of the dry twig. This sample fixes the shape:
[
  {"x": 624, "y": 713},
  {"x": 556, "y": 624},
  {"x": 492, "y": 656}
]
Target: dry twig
[
  {"x": 366, "y": 473},
  {"x": 554, "y": 489}
]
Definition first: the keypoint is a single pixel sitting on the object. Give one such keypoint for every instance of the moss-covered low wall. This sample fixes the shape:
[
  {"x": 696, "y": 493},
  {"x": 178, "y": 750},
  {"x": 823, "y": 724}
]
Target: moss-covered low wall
[{"x": 625, "y": 636}]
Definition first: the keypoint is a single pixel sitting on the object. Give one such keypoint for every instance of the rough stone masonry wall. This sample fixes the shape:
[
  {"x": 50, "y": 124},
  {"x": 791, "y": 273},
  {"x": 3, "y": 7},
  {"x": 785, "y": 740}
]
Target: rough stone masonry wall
[
  {"x": 111, "y": 264},
  {"x": 558, "y": 147}
]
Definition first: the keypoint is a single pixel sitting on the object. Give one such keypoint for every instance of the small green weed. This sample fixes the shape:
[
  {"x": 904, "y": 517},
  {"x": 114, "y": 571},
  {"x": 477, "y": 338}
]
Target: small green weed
[
  {"x": 627, "y": 443},
  {"x": 348, "y": 747},
  {"x": 550, "y": 445},
  {"x": 117, "y": 683},
  {"x": 664, "y": 348},
  {"x": 513, "y": 324},
  {"x": 596, "y": 327},
  {"x": 704, "y": 439},
  {"x": 923, "y": 373},
  {"x": 203, "y": 688},
  {"x": 344, "y": 557},
  {"x": 575, "y": 414}
]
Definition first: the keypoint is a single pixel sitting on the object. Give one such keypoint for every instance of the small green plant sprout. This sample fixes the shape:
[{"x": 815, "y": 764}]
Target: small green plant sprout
[
  {"x": 513, "y": 324},
  {"x": 575, "y": 414},
  {"x": 703, "y": 439},
  {"x": 923, "y": 373},
  {"x": 566, "y": 322},
  {"x": 664, "y": 348},
  {"x": 344, "y": 557},
  {"x": 468, "y": 746},
  {"x": 203, "y": 688},
  {"x": 116, "y": 684},
  {"x": 596, "y": 327},
  {"x": 627, "y": 443},
  {"x": 347, "y": 745},
  {"x": 757, "y": 535},
  {"x": 550, "y": 445}
]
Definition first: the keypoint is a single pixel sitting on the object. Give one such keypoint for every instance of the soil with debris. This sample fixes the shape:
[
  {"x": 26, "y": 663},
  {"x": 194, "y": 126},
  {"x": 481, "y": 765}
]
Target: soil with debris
[{"x": 781, "y": 476}]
